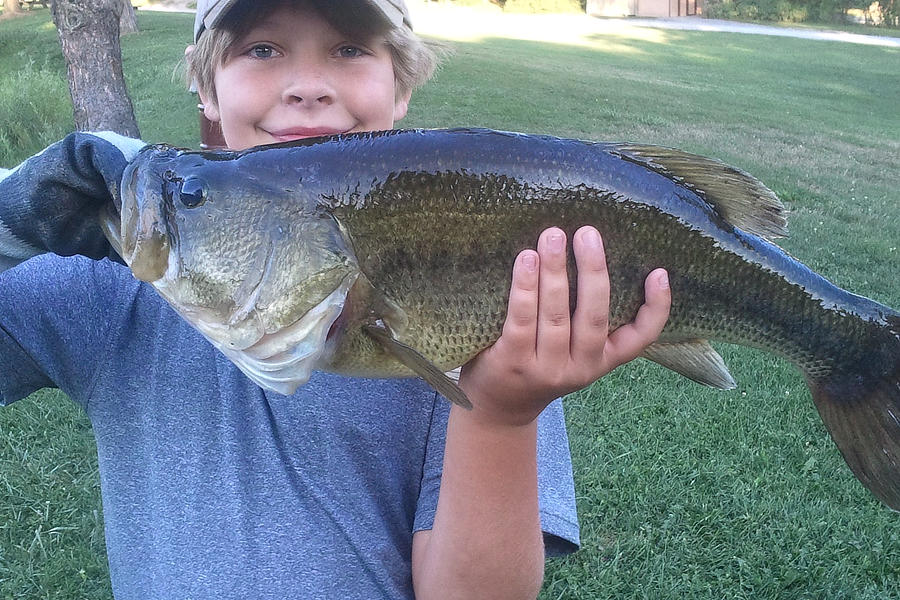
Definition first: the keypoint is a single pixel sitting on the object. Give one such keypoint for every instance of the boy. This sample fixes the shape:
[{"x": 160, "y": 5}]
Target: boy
[{"x": 213, "y": 488}]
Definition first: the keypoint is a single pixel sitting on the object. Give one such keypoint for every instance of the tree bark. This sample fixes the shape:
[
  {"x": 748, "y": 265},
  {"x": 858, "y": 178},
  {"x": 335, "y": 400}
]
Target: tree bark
[
  {"x": 128, "y": 19},
  {"x": 11, "y": 7},
  {"x": 89, "y": 37}
]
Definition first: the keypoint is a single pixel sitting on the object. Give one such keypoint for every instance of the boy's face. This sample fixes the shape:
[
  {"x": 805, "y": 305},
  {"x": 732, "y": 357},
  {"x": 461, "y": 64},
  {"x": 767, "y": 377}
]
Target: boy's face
[{"x": 293, "y": 76}]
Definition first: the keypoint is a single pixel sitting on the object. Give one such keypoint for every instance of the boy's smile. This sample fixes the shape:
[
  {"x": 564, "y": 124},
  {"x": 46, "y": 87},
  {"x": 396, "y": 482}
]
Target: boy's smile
[{"x": 293, "y": 75}]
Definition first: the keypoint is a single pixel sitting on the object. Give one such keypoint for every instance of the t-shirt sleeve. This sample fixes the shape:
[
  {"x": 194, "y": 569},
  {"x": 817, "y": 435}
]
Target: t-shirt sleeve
[
  {"x": 556, "y": 487},
  {"x": 56, "y": 324}
]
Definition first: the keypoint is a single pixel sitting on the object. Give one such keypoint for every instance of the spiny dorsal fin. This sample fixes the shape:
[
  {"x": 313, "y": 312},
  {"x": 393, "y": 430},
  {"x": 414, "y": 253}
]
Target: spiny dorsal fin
[
  {"x": 737, "y": 196},
  {"x": 420, "y": 365},
  {"x": 695, "y": 359}
]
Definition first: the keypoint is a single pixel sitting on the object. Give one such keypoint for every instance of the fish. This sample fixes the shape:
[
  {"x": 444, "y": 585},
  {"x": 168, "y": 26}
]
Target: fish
[{"x": 388, "y": 254}]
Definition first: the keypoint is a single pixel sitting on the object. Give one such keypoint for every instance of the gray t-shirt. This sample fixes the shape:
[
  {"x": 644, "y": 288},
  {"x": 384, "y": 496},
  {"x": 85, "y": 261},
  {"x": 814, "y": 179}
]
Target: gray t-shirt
[{"x": 214, "y": 488}]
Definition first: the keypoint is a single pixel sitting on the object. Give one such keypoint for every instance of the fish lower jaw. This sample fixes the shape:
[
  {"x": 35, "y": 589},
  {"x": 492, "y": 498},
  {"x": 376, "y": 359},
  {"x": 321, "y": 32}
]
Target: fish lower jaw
[
  {"x": 284, "y": 360},
  {"x": 283, "y": 375}
]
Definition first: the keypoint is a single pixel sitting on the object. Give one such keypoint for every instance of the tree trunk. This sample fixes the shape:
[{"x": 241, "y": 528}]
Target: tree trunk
[
  {"x": 11, "y": 7},
  {"x": 89, "y": 36},
  {"x": 128, "y": 19}
]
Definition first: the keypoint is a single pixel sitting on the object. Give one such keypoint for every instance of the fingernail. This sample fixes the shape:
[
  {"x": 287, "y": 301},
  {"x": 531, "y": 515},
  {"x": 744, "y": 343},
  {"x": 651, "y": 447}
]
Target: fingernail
[
  {"x": 664, "y": 281},
  {"x": 557, "y": 241},
  {"x": 592, "y": 238},
  {"x": 529, "y": 262}
]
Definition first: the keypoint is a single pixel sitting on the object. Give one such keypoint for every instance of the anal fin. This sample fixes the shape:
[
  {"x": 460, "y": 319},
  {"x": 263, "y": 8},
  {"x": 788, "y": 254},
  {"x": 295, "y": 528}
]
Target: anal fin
[
  {"x": 695, "y": 359},
  {"x": 420, "y": 365}
]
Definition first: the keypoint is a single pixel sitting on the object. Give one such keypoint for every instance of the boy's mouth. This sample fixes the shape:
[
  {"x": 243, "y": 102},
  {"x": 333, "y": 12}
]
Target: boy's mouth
[{"x": 299, "y": 133}]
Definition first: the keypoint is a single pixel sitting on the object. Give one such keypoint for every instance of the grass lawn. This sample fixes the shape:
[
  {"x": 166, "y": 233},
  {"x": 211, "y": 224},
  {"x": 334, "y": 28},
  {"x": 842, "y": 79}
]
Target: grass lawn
[{"x": 683, "y": 492}]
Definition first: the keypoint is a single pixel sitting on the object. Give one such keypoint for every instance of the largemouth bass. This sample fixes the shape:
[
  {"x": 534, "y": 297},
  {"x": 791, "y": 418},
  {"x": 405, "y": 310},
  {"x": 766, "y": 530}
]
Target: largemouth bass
[{"x": 389, "y": 254}]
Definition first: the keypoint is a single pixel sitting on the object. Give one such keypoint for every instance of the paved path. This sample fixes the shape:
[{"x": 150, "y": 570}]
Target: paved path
[{"x": 700, "y": 24}]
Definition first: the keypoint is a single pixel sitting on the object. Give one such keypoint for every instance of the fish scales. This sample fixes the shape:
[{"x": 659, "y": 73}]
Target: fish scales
[
  {"x": 444, "y": 249},
  {"x": 390, "y": 254}
]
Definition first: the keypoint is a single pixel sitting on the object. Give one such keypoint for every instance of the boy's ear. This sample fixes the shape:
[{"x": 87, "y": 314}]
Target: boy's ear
[
  {"x": 210, "y": 108},
  {"x": 401, "y": 105}
]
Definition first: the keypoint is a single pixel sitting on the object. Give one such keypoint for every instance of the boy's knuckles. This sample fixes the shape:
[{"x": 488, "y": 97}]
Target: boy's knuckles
[
  {"x": 521, "y": 320},
  {"x": 556, "y": 318},
  {"x": 525, "y": 283},
  {"x": 519, "y": 370},
  {"x": 555, "y": 265},
  {"x": 555, "y": 291},
  {"x": 556, "y": 380},
  {"x": 599, "y": 321},
  {"x": 594, "y": 265}
]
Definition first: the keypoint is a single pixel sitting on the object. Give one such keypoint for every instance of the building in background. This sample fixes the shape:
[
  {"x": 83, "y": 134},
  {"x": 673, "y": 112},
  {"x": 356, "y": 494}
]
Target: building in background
[{"x": 643, "y": 8}]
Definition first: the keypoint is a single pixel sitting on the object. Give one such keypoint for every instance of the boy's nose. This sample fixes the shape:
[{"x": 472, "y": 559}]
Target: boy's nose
[{"x": 308, "y": 90}]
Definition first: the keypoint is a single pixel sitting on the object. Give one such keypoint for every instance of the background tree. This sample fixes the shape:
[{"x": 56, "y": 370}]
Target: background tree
[
  {"x": 11, "y": 7},
  {"x": 89, "y": 36},
  {"x": 128, "y": 18}
]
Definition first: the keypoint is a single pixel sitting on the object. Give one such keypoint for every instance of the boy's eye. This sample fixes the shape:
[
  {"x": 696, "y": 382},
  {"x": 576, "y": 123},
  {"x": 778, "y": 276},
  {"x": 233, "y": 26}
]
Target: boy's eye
[
  {"x": 261, "y": 51},
  {"x": 350, "y": 52}
]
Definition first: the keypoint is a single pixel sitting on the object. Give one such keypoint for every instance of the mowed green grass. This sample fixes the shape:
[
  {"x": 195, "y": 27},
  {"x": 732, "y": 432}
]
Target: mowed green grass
[{"x": 683, "y": 492}]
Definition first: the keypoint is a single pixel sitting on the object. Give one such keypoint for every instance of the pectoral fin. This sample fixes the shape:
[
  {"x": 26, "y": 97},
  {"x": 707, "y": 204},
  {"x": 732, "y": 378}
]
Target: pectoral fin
[
  {"x": 420, "y": 365},
  {"x": 695, "y": 359}
]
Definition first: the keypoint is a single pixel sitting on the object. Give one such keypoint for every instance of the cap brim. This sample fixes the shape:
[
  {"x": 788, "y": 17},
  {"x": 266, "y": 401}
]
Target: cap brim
[
  {"x": 393, "y": 11},
  {"x": 213, "y": 16}
]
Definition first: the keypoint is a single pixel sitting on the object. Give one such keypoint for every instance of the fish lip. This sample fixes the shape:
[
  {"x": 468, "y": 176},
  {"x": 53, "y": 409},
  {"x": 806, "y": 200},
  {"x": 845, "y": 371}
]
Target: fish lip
[
  {"x": 284, "y": 360},
  {"x": 144, "y": 226}
]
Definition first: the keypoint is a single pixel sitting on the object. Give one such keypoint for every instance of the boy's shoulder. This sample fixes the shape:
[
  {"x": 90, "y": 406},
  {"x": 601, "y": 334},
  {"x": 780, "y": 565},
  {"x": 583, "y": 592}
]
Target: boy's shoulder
[
  {"x": 58, "y": 286},
  {"x": 49, "y": 265},
  {"x": 58, "y": 314}
]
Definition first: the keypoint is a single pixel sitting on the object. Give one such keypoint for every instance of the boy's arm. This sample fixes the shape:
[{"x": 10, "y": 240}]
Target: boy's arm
[
  {"x": 51, "y": 202},
  {"x": 486, "y": 541}
]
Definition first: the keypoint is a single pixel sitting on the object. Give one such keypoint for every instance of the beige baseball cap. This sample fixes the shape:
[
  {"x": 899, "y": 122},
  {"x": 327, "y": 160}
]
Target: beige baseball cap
[{"x": 211, "y": 12}]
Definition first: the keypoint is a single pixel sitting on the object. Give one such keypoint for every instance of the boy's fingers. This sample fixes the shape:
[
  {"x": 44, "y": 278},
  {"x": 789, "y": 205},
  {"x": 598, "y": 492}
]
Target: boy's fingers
[
  {"x": 590, "y": 323},
  {"x": 553, "y": 297},
  {"x": 627, "y": 342},
  {"x": 520, "y": 327}
]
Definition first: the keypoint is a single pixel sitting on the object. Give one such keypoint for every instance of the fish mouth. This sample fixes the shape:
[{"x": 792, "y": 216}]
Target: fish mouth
[
  {"x": 284, "y": 360},
  {"x": 142, "y": 236}
]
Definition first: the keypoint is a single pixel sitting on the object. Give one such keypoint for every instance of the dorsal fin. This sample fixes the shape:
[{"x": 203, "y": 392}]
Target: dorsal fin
[{"x": 736, "y": 196}]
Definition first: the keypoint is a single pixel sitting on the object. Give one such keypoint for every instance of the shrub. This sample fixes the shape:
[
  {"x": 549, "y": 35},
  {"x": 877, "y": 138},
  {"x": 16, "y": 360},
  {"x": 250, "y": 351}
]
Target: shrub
[
  {"x": 538, "y": 6},
  {"x": 793, "y": 11},
  {"x": 35, "y": 110}
]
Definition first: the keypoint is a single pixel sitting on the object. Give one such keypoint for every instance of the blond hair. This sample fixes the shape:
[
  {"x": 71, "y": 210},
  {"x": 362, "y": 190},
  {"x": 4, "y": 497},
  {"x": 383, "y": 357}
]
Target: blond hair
[{"x": 414, "y": 59}]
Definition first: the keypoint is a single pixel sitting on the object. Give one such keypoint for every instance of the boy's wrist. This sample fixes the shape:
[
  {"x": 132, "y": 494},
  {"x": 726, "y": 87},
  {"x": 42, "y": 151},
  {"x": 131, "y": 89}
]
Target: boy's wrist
[
  {"x": 498, "y": 421},
  {"x": 498, "y": 413},
  {"x": 501, "y": 397}
]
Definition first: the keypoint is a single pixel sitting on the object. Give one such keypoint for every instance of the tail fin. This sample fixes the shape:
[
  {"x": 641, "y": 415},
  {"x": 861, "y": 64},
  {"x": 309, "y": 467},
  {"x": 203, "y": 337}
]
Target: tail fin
[{"x": 862, "y": 412}]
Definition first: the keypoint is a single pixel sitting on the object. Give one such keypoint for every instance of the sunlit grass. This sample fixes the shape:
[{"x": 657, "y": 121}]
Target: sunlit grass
[
  {"x": 479, "y": 23},
  {"x": 682, "y": 492}
]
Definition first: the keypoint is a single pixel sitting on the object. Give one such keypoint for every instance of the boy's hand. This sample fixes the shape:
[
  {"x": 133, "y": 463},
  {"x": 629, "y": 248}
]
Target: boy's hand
[
  {"x": 51, "y": 202},
  {"x": 542, "y": 353}
]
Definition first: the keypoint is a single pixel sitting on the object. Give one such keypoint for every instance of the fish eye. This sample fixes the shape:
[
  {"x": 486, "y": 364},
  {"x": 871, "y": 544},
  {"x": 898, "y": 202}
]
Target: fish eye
[{"x": 193, "y": 192}]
